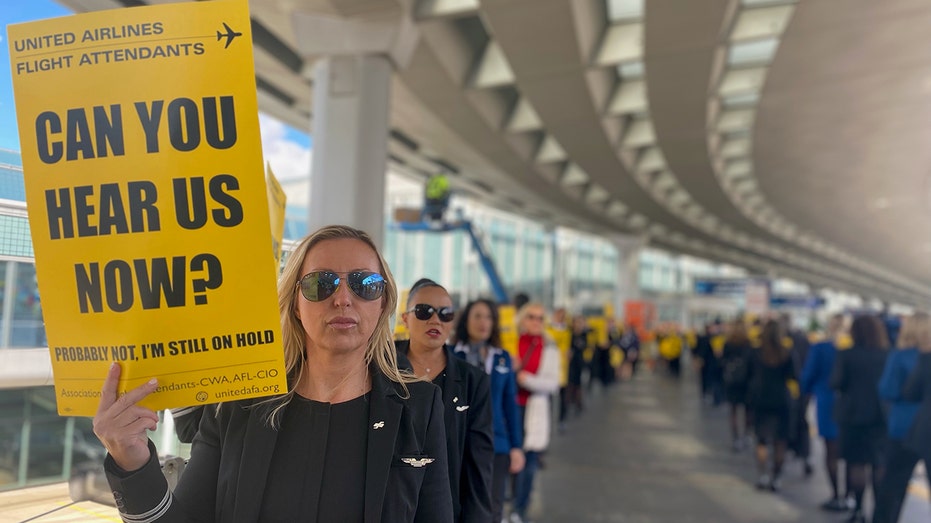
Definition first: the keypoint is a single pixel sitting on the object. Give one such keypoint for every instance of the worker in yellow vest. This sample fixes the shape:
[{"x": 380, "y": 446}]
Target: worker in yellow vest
[{"x": 436, "y": 198}]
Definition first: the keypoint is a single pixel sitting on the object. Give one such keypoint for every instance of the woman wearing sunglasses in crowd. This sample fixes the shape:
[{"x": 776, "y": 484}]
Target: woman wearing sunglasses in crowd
[
  {"x": 477, "y": 335},
  {"x": 428, "y": 317},
  {"x": 353, "y": 439},
  {"x": 537, "y": 379}
]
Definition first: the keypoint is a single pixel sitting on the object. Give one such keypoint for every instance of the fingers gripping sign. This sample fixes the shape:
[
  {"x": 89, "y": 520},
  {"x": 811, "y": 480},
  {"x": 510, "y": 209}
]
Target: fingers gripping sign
[{"x": 121, "y": 424}]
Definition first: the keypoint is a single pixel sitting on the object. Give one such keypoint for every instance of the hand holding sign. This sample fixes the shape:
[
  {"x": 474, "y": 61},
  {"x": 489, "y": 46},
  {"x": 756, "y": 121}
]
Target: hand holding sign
[{"x": 121, "y": 424}]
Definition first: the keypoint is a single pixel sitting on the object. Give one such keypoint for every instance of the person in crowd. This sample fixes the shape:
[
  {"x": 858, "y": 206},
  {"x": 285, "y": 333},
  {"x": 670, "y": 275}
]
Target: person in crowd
[
  {"x": 436, "y": 198},
  {"x": 708, "y": 363},
  {"x": 537, "y": 379},
  {"x": 670, "y": 349},
  {"x": 577, "y": 348},
  {"x": 716, "y": 378},
  {"x": 799, "y": 431},
  {"x": 914, "y": 335},
  {"x": 466, "y": 393},
  {"x": 893, "y": 324},
  {"x": 312, "y": 454},
  {"x": 477, "y": 336},
  {"x": 630, "y": 344},
  {"x": 520, "y": 299},
  {"x": 918, "y": 388},
  {"x": 770, "y": 370},
  {"x": 816, "y": 376},
  {"x": 860, "y": 416},
  {"x": 736, "y": 364},
  {"x": 609, "y": 353},
  {"x": 559, "y": 318},
  {"x": 701, "y": 346},
  {"x": 559, "y": 330}
]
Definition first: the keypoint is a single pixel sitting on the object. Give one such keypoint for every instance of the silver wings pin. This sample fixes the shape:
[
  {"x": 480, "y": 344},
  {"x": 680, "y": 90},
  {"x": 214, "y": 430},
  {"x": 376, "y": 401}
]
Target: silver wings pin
[{"x": 417, "y": 463}]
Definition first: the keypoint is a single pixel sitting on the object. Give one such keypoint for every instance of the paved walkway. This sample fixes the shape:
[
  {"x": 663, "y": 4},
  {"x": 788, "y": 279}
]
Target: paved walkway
[
  {"x": 648, "y": 451},
  {"x": 54, "y": 502},
  {"x": 645, "y": 451}
]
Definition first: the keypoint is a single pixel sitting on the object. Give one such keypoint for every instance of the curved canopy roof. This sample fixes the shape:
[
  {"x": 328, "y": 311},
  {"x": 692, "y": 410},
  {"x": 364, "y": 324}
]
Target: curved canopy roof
[{"x": 786, "y": 137}]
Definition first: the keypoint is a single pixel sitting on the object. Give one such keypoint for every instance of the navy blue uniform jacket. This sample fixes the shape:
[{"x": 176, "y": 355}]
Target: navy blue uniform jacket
[{"x": 918, "y": 388}]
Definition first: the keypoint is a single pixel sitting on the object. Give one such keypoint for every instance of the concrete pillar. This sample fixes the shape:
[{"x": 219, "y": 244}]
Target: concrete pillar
[
  {"x": 627, "y": 287},
  {"x": 350, "y": 129}
]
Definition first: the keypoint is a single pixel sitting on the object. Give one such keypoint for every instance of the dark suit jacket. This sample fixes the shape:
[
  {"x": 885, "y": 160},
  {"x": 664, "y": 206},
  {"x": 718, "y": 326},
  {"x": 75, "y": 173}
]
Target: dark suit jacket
[
  {"x": 225, "y": 478},
  {"x": 918, "y": 388},
  {"x": 856, "y": 377},
  {"x": 470, "y": 447}
]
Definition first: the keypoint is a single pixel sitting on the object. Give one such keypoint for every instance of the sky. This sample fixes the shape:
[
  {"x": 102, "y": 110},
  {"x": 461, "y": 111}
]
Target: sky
[{"x": 287, "y": 149}]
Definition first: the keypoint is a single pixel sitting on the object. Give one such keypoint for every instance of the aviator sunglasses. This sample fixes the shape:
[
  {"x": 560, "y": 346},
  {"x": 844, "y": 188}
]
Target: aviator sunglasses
[
  {"x": 320, "y": 285},
  {"x": 424, "y": 312}
]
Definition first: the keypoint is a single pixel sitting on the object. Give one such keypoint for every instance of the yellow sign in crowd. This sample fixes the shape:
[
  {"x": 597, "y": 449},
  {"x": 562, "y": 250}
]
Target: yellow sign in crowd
[{"x": 146, "y": 192}]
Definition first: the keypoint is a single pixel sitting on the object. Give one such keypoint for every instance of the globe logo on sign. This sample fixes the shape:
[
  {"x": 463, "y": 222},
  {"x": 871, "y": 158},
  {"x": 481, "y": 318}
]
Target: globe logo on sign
[{"x": 201, "y": 396}]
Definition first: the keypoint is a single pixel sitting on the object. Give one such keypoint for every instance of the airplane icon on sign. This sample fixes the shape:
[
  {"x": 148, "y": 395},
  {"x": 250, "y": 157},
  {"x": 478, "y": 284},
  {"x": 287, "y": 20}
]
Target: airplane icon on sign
[{"x": 229, "y": 35}]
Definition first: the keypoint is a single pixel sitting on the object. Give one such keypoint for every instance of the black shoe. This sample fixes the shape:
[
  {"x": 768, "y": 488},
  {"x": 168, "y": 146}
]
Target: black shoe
[
  {"x": 808, "y": 470},
  {"x": 776, "y": 484},
  {"x": 763, "y": 482},
  {"x": 835, "y": 505}
]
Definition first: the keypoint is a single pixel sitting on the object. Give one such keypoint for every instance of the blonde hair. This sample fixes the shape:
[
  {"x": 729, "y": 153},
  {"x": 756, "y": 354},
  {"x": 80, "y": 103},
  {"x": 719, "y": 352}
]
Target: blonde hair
[
  {"x": 380, "y": 349},
  {"x": 522, "y": 313},
  {"x": 916, "y": 331}
]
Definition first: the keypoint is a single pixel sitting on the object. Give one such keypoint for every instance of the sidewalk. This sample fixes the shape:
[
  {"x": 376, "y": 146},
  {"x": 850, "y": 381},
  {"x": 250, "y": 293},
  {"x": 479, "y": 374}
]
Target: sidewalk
[
  {"x": 647, "y": 451},
  {"x": 22, "y": 504}
]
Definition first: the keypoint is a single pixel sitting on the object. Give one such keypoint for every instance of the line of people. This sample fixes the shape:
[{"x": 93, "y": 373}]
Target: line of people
[{"x": 869, "y": 402}]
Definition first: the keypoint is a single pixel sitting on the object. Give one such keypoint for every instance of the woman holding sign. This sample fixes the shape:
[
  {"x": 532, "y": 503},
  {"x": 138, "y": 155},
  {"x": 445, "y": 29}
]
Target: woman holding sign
[{"x": 354, "y": 439}]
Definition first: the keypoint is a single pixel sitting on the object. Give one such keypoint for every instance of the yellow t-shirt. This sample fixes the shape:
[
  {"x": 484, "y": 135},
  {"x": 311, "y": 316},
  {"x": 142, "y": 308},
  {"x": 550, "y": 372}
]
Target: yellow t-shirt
[
  {"x": 670, "y": 347},
  {"x": 717, "y": 345}
]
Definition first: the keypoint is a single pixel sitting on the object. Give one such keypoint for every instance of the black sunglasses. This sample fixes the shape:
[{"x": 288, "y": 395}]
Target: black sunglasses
[
  {"x": 424, "y": 312},
  {"x": 320, "y": 285}
]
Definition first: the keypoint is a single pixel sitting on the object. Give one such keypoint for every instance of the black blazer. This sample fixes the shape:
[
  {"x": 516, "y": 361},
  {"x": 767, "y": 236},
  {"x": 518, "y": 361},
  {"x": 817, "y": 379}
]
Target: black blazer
[
  {"x": 225, "y": 478},
  {"x": 918, "y": 388},
  {"x": 856, "y": 377},
  {"x": 469, "y": 439}
]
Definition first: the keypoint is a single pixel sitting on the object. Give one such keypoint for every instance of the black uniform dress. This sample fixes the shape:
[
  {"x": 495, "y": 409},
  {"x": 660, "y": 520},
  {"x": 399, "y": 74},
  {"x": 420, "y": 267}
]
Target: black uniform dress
[
  {"x": 470, "y": 446},
  {"x": 405, "y": 470},
  {"x": 770, "y": 399},
  {"x": 859, "y": 410},
  {"x": 318, "y": 440}
]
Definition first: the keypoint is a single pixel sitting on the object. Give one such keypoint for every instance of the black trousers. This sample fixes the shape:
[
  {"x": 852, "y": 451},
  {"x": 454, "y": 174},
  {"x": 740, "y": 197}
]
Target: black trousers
[
  {"x": 900, "y": 464},
  {"x": 499, "y": 479},
  {"x": 800, "y": 434}
]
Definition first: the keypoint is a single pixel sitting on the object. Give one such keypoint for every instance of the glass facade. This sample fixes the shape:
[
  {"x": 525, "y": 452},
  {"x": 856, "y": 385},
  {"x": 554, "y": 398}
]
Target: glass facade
[{"x": 37, "y": 445}]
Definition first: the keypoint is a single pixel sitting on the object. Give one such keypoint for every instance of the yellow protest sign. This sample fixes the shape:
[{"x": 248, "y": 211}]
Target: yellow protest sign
[
  {"x": 599, "y": 330},
  {"x": 277, "y": 201},
  {"x": 507, "y": 329},
  {"x": 400, "y": 330},
  {"x": 563, "y": 339},
  {"x": 147, "y": 204}
]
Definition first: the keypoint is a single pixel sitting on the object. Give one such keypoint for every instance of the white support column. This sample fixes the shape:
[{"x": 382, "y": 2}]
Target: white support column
[
  {"x": 9, "y": 297},
  {"x": 628, "y": 269},
  {"x": 350, "y": 129}
]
